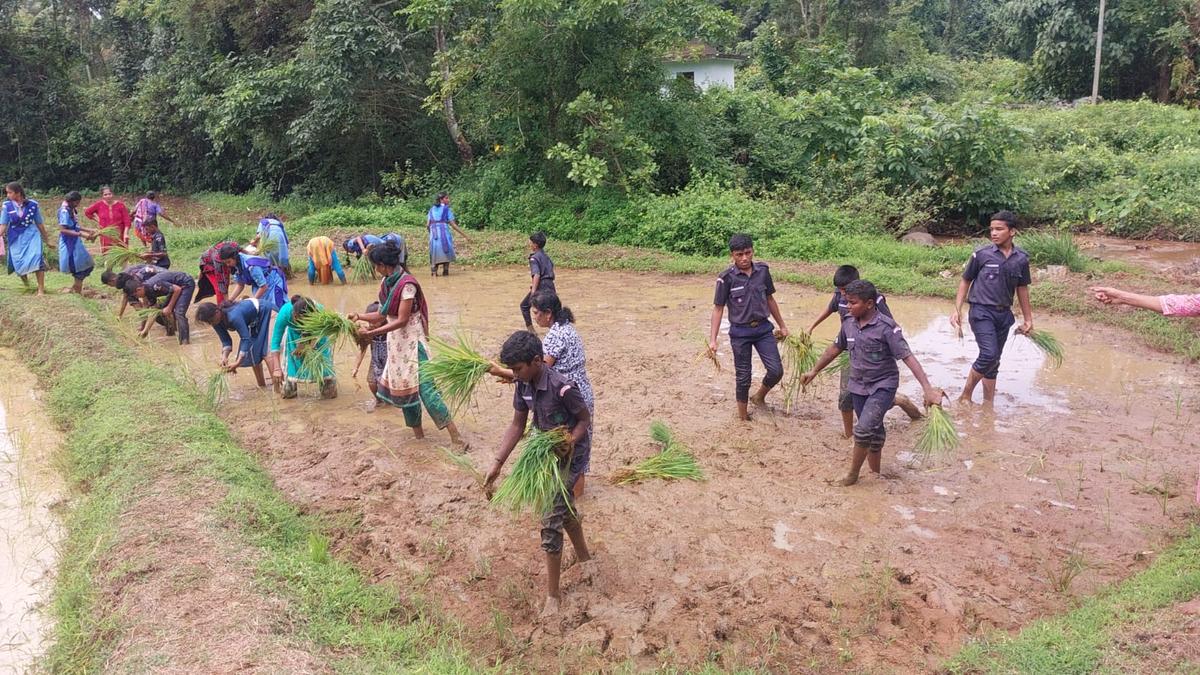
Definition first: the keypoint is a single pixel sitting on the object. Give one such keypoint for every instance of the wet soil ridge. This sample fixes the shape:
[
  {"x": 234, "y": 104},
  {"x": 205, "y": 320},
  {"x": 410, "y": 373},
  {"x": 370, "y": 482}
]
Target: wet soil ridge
[{"x": 180, "y": 555}]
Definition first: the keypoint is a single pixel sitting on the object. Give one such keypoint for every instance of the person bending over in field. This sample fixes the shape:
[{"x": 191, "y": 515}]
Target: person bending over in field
[{"x": 875, "y": 343}]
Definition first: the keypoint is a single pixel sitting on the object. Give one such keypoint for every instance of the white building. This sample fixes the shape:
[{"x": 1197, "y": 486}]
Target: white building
[{"x": 702, "y": 65}]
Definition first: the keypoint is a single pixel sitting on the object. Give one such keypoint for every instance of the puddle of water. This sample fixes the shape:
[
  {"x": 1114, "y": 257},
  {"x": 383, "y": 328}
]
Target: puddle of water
[
  {"x": 1154, "y": 254},
  {"x": 28, "y": 489}
]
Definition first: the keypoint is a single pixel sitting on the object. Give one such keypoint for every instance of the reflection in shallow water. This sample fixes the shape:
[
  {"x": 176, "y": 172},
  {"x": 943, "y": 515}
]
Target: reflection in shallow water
[{"x": 28, "y": 487}]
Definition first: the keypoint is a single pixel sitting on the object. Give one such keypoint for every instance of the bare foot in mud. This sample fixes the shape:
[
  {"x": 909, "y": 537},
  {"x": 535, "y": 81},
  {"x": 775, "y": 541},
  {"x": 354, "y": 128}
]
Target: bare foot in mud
[
  {"x": 550, "y": 609},
  {"x": 588, "y": 570},
  {"x": 844, "y": 482}
]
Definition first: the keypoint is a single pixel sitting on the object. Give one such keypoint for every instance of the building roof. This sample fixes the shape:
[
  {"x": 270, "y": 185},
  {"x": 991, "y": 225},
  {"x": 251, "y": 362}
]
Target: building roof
[{"x": 697, "y": 51}]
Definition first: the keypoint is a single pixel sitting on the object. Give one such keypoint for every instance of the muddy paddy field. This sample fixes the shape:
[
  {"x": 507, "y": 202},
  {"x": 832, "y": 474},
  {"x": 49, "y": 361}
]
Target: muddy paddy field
[{"x": 1076, "y": 480}]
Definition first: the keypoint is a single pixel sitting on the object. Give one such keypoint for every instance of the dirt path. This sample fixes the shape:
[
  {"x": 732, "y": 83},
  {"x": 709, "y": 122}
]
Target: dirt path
[{"x": 1079, "y": 478}]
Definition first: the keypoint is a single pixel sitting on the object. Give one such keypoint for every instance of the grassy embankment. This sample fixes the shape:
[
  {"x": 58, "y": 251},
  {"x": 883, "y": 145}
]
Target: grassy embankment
[
  {"x": 806, "y": 254},
  {"x": 165, "y": 505}
]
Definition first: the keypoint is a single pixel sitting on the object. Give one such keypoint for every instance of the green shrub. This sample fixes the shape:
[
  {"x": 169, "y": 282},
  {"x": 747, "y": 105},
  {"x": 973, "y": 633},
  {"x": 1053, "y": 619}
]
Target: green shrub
[
  {"x": 701, "y": 219},
  {"x": 1049, "y": 248}
]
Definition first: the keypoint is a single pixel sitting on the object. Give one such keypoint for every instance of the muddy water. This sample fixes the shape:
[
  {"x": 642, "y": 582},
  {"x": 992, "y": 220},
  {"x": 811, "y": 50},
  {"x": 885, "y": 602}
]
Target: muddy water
[
  {"x": 1154, "y": 254},
  {"x": 28, "y": 489},
  {"x": 894, "y": 574}
]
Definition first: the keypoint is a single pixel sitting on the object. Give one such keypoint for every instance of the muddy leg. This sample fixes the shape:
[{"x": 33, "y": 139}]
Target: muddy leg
[
  {"x": 742, "y": 413},
  {"x": 574, "y": 530},
  {"x": 856, "y": 461},
  {"x": 553, "y": 595},
  {"x": 258, "y": 374},
  {"x": 41, "y": 282},
  {"x": 418, "y": 432},
  {"x": 847, "y": 423},
  {"x": 989, "y": 390},
  {"x": 577, "y": 491},
  {"x": 973, "y": 379},
  {"x": 77, "y": 286},
  {"x": 456, "y": 438},
  {"x": 914, "y": 413},
  {"x": 873, "y": 460}
]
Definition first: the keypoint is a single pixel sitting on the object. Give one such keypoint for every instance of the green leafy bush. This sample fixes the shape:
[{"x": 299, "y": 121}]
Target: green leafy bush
[{"x": 1053, "y": 248}]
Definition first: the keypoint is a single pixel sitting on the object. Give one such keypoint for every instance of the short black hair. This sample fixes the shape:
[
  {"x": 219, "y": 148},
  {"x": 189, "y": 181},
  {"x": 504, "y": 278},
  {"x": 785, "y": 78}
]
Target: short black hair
[
  {"x": 862, "y": 289},
  {"x": 740, "y": 242},
  {"x": 227, "y": 252},
  {"x": 130, "y": 287},
  {"x": 539, "y": 239},
  {"x": 1007, "y": 217},
  {"x": 108, "y": 278},
  {"x": 206, "y": 312},
  {"x": 73, "y": 196},
  {"x": 301, "y": 305},
  {"x": 844, "y": 275},
  {"x": 520, "y": 347},
  {"x": 373, "y": 307}
]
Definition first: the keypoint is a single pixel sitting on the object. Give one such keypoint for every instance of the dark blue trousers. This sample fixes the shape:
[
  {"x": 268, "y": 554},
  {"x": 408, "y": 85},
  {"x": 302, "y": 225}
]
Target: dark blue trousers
[
  {"x": 990, "y": 326},
  {"x": 762, "y": 339}
]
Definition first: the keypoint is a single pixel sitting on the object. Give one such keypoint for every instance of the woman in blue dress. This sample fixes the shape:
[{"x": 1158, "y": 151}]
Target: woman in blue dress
[
  {"x": 271, "y": 229},
  {"x": 251, "y": 320},
  {"x": 73, "y": 256},
  {"x": 286, "y": 326},
  {"x": 23, "y": 230},
  {"x": 438, "y": 221},
  {"x": 266, "y": 281}
]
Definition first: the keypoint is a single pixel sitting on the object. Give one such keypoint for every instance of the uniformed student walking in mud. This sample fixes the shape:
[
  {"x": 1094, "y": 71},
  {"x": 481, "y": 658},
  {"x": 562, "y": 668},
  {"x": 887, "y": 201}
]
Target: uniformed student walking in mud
[
  {"x": 992, "y": 276},
  {"x": 747, "y": 290},
  {"x": 555, "y": 403},
  {"x": 875, "y": 343}
]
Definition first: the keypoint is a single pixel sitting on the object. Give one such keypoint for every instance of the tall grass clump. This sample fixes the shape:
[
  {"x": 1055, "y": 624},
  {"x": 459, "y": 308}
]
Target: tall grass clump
[
  {"x": 118, "y": 256},
  {"x": 456, "y": 369},
  {"x": 1045, "y": 248},
  {"x": 536, "y": 480},
  {"x": 217, "y": 390},
  {"x": 1048, "y": 344},
  {"x": 672, "y": 462}
]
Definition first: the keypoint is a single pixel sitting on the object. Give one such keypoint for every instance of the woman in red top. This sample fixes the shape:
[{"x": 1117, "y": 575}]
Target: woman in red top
[{"x": 112, "y": 214}]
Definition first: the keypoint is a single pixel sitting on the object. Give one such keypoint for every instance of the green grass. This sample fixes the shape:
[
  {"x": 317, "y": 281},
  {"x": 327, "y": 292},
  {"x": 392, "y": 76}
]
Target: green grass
[
  {"x": 1082, "y": 640},
  {"x": 115, "y": 456},
  {"x": 1048, "y": 248}
]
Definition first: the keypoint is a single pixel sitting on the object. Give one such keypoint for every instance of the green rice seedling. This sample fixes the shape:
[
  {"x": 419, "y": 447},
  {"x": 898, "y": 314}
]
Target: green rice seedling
[
  {"x": 315, "y": 364},
  {"x": 707, "y": 354},
  {"x": 362, "y": 270},
  {"x": 939, "y": 435},
  {"x": 144, "y": 314},
  {"x": 462, "y": 461},
  {"x": 535, "y": 481},
  {"x": 267, "y": 246},
  {"x": 799, "y": 357},
  {"x": 672, "y": 462},
  {"x": 456, "y": 369},
  {"x": 1049, "y": 345},
  {"x": 217, "y": 391},
  {"x": 324, "y": 323},
  {"x": 842, "y": 362},
  {"x": 119, "y": 257}
]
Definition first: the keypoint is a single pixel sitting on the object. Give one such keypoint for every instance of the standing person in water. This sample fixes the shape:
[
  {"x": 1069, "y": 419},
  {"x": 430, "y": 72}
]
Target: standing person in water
[
  {"x": 747, "y": 289},
  {"x": 251, "y": 320},
  {"x": 438, "y": 222},
  {"x": 379, "y": 351},
  {"x": 111, "y": 214},
  {"x": 287, "y": 325},
  {"x": 148, "y": 209},
  {"x": 73, "y": 256},
  {"x": 841, "y": 277},
  {"x": 993, "y": 275},
  {"x": 562, "y": 350},
  {"x": 404, "y": 317},
  {"x": 158, "y": 245},
  {"x": 541, "y": 275},
  {"x": 875, "y": 343},
  {"x": 266, "y": 281},
  {"x": 24, "y": 230}
]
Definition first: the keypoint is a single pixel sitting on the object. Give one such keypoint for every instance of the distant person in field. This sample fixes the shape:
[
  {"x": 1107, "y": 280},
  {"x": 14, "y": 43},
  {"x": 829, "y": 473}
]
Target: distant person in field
[
  {"x": 24, "y": 230},
  {"x": 875, "y": 343},
  {"x": 214, "y": 275},
  {"x": 139, "y": 271},
  {"x": 359, "y": 245},
  {"x": 113, "y": 217},
  {"x": 148, "y": 210},
  {"x": 73, "y": 256},
  {"x": 404, "y": 317},
  {"x": 841, "y": 277},
  {"x": 251, "y": 320},
  {"x": 271, "y": 240},
  {"x": 439, "y": 222},
  {"x": 323, "y": 261},
  {"x": 993, "y": 276},
  {"x": 158, "y": 246},
  {"x": 747, "y": 289},
  {"x": 266, "y": 281},
  {"x": 555, "y": 404},
  {"x": 541, "y": 275},
  {"x": 177, "y": 288},
  {"x": 299, "y": 370}
]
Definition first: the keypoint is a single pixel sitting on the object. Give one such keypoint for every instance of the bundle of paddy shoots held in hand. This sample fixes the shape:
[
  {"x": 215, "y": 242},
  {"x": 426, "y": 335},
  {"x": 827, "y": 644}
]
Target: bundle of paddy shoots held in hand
[
  {"x": 267, "y": 246},
  {"x": 362, "y": 270},
  {"x": 217, "y": 391},
  {"x": 939, "y": 435},
  {"x": 799, "y": 357},
  {"x": 119, "y": 257},
  {"x": 672, "y": 462},
  {"x": 456, "y": 369},
  {"x": 323, "y": 323},
  {"x": 708, "y": 354},
  {"x": 536, "y": 480},
  {"x": 315, "y": 364},
  {"x": 1049, "y": 345},
  {"x": 143, "y": 314}
]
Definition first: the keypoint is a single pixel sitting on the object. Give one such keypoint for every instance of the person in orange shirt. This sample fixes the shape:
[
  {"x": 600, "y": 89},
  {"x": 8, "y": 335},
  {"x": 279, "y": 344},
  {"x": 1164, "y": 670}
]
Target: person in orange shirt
[
  {"x": 110, "y": 213},
  {"x": 323, "y": 263}
]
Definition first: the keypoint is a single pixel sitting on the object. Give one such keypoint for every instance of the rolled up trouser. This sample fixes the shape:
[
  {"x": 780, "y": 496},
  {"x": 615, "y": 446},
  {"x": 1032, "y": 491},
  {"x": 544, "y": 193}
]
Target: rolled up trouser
[
  {"x": 990, "y": 325},
  {"x": 869, "y": 431},
  {"x": 562, "y": 513},
  {"x": 761, "y": 338}
]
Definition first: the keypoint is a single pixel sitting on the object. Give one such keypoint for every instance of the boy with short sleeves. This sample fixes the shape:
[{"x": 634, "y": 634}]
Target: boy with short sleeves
[
  {"x": 841, "y": 277},
  {"x": 993, "y": 275},
  {"x": 158, "y": 246},
  {"x": 555, "y": 403},
  {"x": 747, "y": 289},
  {"x": 541, "y": 274},
  {"x": 875, "y": 343}
]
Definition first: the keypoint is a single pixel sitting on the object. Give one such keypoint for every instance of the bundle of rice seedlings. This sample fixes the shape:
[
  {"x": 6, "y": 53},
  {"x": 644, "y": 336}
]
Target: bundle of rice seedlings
[
  {"x": 842, "y": 362},
  {"x": 118, "y": 257},
  {"x": 456, "y": 369},
  {"x": 708, "y": 354},
  {"x": 315, "y": 364},
  {"x": 324, "y": 323},
  {"x": 143, "y": 314},
  {"x": 462, "y": 461},
  {"x": 1049, "y": 345},
  {"x": 672, "y": 462},
  {"x": 939, "y": 435},
  {"x": 217, "y": 391},
  {"x": 798, "y": 358},
  {"x": 535, "y": 481},
  {"x": 267, "y": 246},
  {"x": 362, "y": 270}
]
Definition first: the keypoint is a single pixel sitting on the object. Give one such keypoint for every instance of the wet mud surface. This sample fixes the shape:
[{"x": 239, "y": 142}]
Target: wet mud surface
[{"x": 1075, "y": 480}]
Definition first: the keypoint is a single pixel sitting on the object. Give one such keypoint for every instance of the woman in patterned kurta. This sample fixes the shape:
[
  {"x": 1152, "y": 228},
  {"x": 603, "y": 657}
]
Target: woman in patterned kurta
[
  {"x": 23, "y": 230},
  {"x": 404, "y": 317}
]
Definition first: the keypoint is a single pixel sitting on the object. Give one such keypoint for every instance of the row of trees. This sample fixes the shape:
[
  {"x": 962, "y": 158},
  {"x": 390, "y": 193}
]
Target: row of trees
[{"x": 345, "y": 96}]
